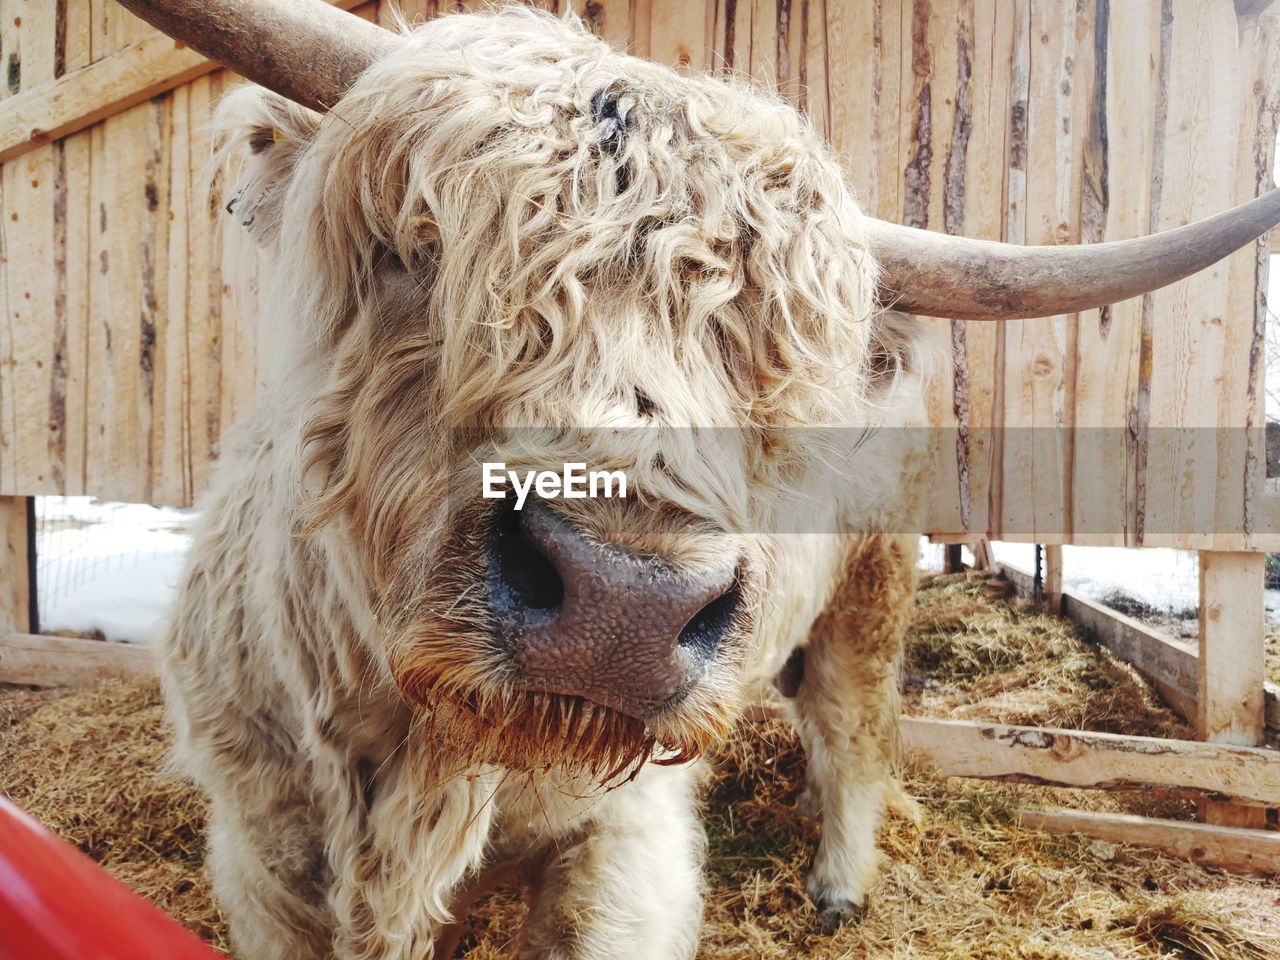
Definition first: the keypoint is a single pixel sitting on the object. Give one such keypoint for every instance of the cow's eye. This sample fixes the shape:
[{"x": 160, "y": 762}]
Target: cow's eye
[
  {"x": 390, "y": 260},
  {"x": 418, "y": 263}
]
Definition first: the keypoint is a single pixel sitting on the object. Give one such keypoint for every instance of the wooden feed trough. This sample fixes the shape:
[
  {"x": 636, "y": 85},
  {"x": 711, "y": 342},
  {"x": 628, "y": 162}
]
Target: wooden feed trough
[{"x": 122, "y": 356}]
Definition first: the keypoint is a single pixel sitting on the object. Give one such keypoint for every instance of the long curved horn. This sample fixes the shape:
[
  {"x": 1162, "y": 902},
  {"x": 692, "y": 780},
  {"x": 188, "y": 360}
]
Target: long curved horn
[
  {"x": 937, "y": 275},
  {"x": 305, "y": 50}
]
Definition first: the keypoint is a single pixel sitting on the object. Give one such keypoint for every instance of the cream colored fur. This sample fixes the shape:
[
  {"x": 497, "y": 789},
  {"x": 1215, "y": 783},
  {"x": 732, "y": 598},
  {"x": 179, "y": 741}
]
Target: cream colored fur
[{"x": 462, "y": 247}]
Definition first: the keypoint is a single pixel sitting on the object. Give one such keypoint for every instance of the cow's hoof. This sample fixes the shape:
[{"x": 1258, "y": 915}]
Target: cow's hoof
[{"x": 835, "y": 909}]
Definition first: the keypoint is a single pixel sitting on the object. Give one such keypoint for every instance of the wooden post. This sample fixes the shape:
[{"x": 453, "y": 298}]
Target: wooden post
[
  {"x": 1053, "y": 576},
  {"x": 16, "y": 585},
  {"x": 953, "y": 563},
  {"x": 1232, "y": 704}
]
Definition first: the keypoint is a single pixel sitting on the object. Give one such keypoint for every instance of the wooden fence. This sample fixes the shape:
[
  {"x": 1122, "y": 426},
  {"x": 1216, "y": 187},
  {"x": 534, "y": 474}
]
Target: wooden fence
[
  {"x": 123, "y": 357},
  {"x": 1036, "y": 122}
]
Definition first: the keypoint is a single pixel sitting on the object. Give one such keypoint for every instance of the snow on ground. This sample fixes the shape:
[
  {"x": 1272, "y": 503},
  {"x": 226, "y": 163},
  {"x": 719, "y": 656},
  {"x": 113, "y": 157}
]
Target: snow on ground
[
  {"x": 114, "y": 568},
  {"x": 1166, "y": 580},
  {"x": 107, "y": 567}
]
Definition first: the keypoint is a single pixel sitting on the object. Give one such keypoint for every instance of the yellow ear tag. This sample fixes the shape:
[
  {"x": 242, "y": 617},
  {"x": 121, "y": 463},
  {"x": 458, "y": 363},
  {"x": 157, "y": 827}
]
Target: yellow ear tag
[{"x": 276, "y": 135}]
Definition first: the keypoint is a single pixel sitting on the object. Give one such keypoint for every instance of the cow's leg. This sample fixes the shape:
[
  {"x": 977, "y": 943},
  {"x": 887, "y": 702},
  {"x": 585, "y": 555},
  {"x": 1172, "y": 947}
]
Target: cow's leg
[
  {"x": 846, "y": 709},
  {"x": 269, "y": 877},
  {"x": 629, "y": 887}
]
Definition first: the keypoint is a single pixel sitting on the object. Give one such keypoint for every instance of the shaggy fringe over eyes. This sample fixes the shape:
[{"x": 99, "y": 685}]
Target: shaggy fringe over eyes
[
  {"x": 581, "y": 210},
  {"x": 573, "y": 221}
]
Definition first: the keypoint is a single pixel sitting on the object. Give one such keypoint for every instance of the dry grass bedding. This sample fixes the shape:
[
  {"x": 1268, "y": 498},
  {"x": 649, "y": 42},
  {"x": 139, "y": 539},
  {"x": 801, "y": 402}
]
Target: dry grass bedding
[{"x": 961, "y": 878}]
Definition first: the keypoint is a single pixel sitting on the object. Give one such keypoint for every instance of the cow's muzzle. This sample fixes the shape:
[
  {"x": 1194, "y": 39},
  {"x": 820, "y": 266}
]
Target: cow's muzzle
[{"x": 581, "y": 617}]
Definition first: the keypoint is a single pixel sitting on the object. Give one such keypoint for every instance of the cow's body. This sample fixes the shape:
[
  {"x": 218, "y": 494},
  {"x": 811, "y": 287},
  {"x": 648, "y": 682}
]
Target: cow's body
[
  {"x": 345, "y": 819},
  {"x": 324, "y": 831}
]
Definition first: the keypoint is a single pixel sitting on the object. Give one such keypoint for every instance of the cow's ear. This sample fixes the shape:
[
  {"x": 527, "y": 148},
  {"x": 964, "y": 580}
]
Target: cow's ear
[{"x": 262, "y": 137}]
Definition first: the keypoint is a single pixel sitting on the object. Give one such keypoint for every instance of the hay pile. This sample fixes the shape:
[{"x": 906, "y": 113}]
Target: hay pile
[
  {"x": 961, "y": 878},
  {"x": 977, "y": 652},
  {"x": 90, "y": 765}
]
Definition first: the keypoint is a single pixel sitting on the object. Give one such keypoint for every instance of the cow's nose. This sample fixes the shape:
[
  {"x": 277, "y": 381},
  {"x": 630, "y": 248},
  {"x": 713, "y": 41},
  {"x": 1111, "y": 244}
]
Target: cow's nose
[{"x": 586, "y": 618}]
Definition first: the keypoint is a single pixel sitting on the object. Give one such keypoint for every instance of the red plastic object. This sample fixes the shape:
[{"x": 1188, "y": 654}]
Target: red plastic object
[{"x": 57, "y": 904}]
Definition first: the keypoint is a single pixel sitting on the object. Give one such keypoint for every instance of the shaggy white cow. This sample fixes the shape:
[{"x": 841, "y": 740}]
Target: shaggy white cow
[{"x": 396, "y": 691}]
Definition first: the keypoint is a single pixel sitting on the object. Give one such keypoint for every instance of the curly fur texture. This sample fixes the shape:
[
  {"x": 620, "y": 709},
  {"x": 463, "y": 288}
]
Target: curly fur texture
[{"x": 506, "y": 226}]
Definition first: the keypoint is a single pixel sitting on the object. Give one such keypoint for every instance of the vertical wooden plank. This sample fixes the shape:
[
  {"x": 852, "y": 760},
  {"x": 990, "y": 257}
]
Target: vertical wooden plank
[
  {"x": 936, "y": 86},
  {"x": 678, "y": 34},
  {"x": 977, "y": 171},
  {"x": 608, "y": 19},
  {"x": 15, "y": 567},
  {"x": 1231, "y": 703},
  {"x": 178, "y": 197},
  {"x": 1119, "y": 162},
  {"x": 203, "y": 302},
  {"x": 1243, "y": 460},
  {"x": 732, "y": 36},
  {"x": 9, "y": 382},
  {"x": 69, "y": 386},
  {"x": 28, "y": 45},
  {"x": 1053, "y": 68},
  {"x": 29, "y": 58},
  {"x": 641, "y": 27},
  {"x": 1008, "y": 449},
  {"x": 76, "y": 30},
  {"x": 802, "y": 41},
  {"x": 125, "y": 294},
  {"x": 116, "y": 29},
  {"x": 31, "y": 295},
  {"x": 10, "y": 52},
  {"x": 1186, "y": 362},
  {"x": 862, "y": 58},
  {"x": 235, "y": 355},
  {"x": 763, "y": 64}
]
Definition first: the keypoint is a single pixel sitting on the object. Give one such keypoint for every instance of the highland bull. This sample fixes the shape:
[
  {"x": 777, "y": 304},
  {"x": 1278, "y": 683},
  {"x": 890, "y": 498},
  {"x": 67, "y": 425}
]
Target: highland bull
[{"x": 493, "y": 239}]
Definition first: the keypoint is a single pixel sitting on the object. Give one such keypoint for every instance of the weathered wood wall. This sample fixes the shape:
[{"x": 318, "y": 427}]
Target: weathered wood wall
[{"x": 122, "y": 357}]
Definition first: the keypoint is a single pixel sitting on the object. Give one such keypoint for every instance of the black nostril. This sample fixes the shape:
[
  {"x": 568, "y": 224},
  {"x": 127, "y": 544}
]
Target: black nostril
[
  {"x": 521, "y": 577},
  {"x": 709, "y": 626}
]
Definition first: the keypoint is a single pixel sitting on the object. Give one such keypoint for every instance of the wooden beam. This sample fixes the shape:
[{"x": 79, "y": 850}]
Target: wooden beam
[
  {"x": 1229, "y": 848},
  {"x": 1104, "y": 761},
  {"x": 954, "y": 562},
  {"x": 42, "y": 661},
  {"x": 1231, "y": 706},
  {"x": 15, "y": 564},
  {"x": 113, "y": 84}
]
